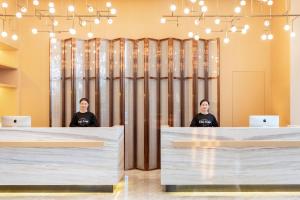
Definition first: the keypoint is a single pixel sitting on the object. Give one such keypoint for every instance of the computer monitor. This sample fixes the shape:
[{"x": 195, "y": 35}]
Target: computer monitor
[
  {"x": 16, "y": 121},
  {"x": 264, "y": 121}
]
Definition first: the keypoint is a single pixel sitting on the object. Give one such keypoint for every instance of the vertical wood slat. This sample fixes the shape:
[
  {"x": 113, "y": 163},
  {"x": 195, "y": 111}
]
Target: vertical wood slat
[
  {"x": 146, "y": 104},
  {"x": 135, "y": 63},
  {"x": 111, "y": 83},
  {"x": 206, "y": 63},
  {"x": 182, "y": 101},
  {"x": 158, "y": 65},
  {"x": 63, "y": 74},
  {"x": 219, "y": 86},
  {"x": 195, "y": 76},
  {"x": 170, "y": 83},
  {"x": 97, "y": 82},
  {"x": 122, "y": 88},
  {"x": 50, "y": 81},
  {"x": 73, "y": 77},
  {"x": 87, "y": 67}
]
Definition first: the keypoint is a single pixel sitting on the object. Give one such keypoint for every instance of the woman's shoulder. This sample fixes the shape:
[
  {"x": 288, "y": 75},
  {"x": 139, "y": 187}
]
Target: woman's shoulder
[
  {"x": 90, "y": 113},
  {"x": 211, "y": 114},
  {"x": 75, "y": 114},
  {"x": 206, "y": 115}
]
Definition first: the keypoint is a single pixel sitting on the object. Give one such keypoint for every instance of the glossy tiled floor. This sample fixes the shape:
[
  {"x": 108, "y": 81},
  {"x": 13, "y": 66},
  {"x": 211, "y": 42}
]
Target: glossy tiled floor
[{"x": 139, "y": 185}]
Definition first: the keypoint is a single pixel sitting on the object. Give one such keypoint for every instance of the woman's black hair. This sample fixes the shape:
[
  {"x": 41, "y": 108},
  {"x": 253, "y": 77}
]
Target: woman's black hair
[
  {"x": 84, "y": 99},
  {"x": 204, "y": 100}
]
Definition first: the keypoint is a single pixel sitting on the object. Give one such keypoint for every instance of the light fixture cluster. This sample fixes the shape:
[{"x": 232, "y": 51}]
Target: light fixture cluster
[
  {"x": 93, "y": 16},
  {"x": 227, "y": 23},
  {"x": 4, "y": 33},
  {"x": 268, "y": 2},
  {"x": 267, "y": 35},
  {"x": 289, "y": 27}
]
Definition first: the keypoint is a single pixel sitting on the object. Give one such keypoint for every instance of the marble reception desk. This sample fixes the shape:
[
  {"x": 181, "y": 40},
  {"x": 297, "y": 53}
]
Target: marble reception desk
[
  {"x": 61, "y": 156},
  {"x": 230, "y": 156}
]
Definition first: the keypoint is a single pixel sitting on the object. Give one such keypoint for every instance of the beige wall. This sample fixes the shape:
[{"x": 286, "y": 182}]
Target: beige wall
[
  {"x": 8, "y": 101},
  {"x": 254, "y": 103},
  {"x": 34, "y": 77},
  {"x": 138, "y": 19},
  {"x": 243, "y": 54},
  {"x": 280, "y": 71},
  {"x": 9, "y": 104}
]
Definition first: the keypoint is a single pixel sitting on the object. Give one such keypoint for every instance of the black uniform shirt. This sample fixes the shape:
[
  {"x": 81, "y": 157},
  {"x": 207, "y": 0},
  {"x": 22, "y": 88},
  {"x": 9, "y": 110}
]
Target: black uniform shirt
[
  {"x": 86, "y": 119},
  {"x": 204, "y": 120}
]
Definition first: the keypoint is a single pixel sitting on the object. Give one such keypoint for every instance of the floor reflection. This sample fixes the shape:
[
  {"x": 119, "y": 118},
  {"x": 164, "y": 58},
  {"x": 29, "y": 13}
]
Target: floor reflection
[{"x": 139, "y": 185}]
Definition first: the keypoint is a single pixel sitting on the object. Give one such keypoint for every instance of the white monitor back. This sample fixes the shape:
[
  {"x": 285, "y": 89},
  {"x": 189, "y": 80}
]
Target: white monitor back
[
  {"x": 16, "y": 121},
  {"x": 264, "y": 121}
]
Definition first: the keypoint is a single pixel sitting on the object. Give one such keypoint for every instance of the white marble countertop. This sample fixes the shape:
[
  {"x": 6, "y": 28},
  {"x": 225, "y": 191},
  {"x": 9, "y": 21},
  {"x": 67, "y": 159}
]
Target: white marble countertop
[
  {"x": 60, "y": 164},
  {"x": 230, "y": 156}
]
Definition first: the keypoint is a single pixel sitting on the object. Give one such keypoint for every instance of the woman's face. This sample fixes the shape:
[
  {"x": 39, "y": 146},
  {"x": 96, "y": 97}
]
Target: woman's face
[
  {"x": 84, "y": 105},
  {"x": 204, "y": 106}
]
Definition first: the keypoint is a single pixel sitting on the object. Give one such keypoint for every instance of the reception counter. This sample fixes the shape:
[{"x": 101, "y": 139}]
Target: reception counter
[
  {"x": 222, "y": 157},
  {"x": 58, "y": 157}
]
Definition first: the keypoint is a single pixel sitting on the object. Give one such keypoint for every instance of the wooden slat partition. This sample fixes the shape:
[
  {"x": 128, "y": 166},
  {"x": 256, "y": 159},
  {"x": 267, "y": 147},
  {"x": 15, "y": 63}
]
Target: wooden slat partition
[{"x": 171, "y": 89}]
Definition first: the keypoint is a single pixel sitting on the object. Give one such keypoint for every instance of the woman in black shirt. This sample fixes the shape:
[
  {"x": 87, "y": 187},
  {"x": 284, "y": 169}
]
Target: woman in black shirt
[
  {"x": 204, "y": 118},
  {"x": 84, "y": 118}
]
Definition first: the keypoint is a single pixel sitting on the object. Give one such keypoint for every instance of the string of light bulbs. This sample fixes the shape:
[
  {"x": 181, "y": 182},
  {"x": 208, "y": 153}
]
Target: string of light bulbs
[
  {"x": 231, "y": 22},
  {"x": 93, "y": 16}
]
